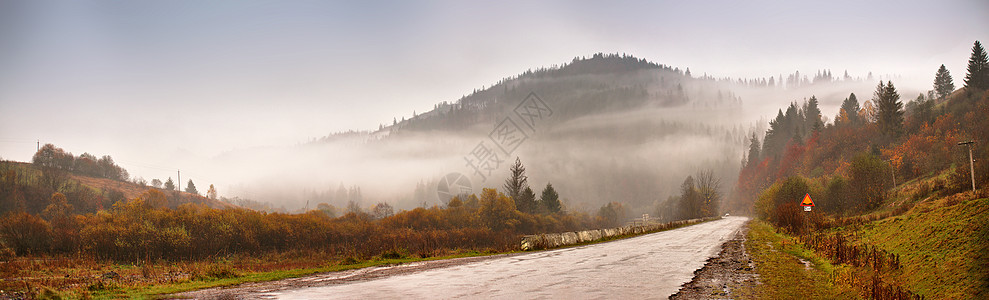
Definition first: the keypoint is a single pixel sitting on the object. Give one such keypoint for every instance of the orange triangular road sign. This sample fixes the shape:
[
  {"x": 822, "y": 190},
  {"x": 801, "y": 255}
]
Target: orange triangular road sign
[{"x": 807, "y": 201}]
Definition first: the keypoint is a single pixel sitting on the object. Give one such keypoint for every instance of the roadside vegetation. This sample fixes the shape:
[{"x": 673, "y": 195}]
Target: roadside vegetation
[
  {"x": 923, "y": 237},
  {"x": 788, "y": 270},
  {"x": 63, "y": 238}
]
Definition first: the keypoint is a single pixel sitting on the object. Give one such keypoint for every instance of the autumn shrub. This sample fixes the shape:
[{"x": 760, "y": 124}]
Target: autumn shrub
[
  {"x": 791, "y": 190},
  {"x": 836, "y": 196},
  {"x": 6, "y": 253},
  {"x": 789, "y": 216},
  {"x": 148, "y": 271},
  {"x": 220, "y": 271},
  {"x": 959, "y": 180},
  {"x": 498, "y": 211},
  {"x": 25, "y": 233},
  {"x": 142, "y": 230},
  {"x": 869, "y": 179},
  {"x": 925, "y": 151},
  {"x": 393, "y": 254},
  {"x": 611, "y": 215},
  {"x": 922, "y": 190},
  {"x": 349, "y": 260}
]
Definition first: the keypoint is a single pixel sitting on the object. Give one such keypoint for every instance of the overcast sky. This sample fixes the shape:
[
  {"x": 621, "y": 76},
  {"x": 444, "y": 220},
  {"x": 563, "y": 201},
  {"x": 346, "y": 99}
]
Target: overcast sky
[{"x": 141, "y": 80}]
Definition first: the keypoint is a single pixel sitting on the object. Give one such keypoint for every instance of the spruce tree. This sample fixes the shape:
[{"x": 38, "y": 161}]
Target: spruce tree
[
  {"x": 550, "y": 199},
  {"x": 978, "y": 69},
  {"x": 191, "y": 188},
  {"x": 753, "y": 150},
  {"x": 527, "y": 201},
  {"x": 849, "y": 113},
  {"x": 775, "y": 139},
  {"x": 169, "y": 185},
  {"x": 812, "y": 113},
  {"x": 943, "y": 83},
  {"x": 890, "y": 109},
  {"x": 516, "y": 183}
]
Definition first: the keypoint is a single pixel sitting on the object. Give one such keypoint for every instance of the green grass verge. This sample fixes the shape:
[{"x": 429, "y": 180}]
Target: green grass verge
[
  {"x": 943, "y": 247},
  {"x": 782, "y": 275}
]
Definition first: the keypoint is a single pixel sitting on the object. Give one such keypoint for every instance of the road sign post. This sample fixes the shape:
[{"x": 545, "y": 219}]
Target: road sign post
[{"x": 807, "y": 203}]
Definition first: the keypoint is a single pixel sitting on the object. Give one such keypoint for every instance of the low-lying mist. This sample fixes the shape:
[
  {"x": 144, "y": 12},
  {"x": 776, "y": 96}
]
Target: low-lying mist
[
  {"x": 636, "y": 157},
  {"x": 630, "y": 137}
]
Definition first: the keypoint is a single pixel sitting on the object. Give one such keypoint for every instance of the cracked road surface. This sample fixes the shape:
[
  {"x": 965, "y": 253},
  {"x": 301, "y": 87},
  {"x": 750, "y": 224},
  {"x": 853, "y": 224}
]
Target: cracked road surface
[{"x": 648, "y": 266}]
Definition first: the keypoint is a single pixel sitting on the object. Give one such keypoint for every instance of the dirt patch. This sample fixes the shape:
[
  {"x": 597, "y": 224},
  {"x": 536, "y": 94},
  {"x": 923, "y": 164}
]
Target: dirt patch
[
  {"x": 729, "y": 275},
  {"x": 262, "y": 289}
]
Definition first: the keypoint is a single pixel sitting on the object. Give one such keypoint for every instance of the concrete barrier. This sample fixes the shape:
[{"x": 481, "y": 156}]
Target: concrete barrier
[{"x": 554, "y": 240}]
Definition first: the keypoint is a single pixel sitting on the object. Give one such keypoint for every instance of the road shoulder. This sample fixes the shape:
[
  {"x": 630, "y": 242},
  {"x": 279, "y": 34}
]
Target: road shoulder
[{"x": 730, "y": 275}]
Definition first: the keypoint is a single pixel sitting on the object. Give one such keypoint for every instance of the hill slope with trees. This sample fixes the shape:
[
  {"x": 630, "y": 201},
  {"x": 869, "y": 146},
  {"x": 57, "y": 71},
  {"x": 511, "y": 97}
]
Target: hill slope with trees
[{"x": 894, "y": 190}]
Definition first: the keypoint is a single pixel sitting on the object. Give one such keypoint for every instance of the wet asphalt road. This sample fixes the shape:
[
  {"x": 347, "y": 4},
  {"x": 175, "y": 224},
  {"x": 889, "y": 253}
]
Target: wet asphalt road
[{"x": 649, "y": 266}]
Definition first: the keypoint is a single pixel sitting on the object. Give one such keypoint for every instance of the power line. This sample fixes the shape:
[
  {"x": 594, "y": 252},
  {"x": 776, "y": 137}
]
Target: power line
[
  {"x": 15, "y": 140},
  {"x": 145, "y": 165}
]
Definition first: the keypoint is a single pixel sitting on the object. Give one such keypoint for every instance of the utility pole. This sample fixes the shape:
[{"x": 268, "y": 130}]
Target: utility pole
[
  {"x": 971, "y": 161},
  {"x": 178, "y": 185},
  {"x": 39, "y": 146}
]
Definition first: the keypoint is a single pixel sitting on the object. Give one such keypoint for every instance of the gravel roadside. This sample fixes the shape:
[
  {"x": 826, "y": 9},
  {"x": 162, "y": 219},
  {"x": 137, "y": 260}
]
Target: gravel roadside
[{"x": 729, "y": 275}]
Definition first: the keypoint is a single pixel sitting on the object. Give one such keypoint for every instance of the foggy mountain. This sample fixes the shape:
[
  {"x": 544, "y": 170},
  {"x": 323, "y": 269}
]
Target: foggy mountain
[{"x": 605, "y": 128}]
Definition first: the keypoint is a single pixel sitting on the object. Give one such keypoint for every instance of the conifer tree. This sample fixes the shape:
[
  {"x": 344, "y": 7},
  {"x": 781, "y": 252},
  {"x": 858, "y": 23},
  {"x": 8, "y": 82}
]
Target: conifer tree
[
  {"x": 753, "y": 149},
  {"x": 191, "y": 188},
  {"x": 889, "y": 109},
  {"x": 550, "y": 199},
  {"x": 978, "y": 69},
  {"x": 813, "y": 115},
  {"x": 527, "y": 201},
  {"x": 943, "y": 84},
  {"x": 848, "y": 114},
  {"x": 517, "y": 182}
]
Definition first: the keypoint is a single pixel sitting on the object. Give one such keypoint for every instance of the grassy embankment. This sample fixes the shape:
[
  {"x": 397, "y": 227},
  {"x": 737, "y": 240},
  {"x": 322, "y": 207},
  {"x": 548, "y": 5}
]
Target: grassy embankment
[
  {"x": 940, "y": 244},
  {"x": 787, "y": 269},
  {"x": 943, "y": 245}
]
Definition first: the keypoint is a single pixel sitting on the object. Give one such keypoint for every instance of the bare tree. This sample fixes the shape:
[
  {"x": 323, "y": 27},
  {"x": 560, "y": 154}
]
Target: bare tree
[
  {"x": 709, "y": 188},
  {"x": 382, "y": 210}
]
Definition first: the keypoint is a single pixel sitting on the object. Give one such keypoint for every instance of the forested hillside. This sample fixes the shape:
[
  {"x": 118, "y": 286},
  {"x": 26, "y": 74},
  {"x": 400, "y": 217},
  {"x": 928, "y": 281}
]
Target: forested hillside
[
  {"x": 894, "y": 189},
  {"x": 616, "y": 129}
]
